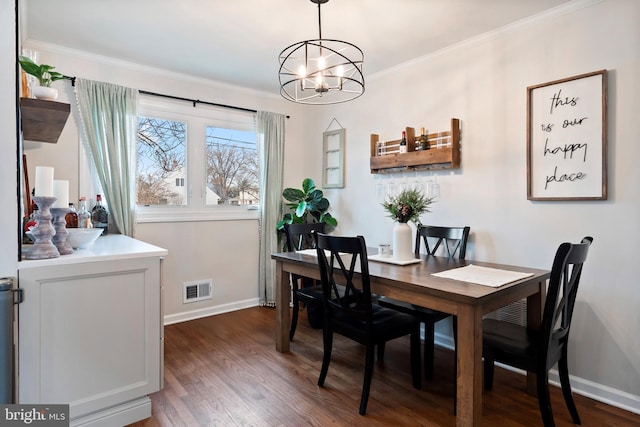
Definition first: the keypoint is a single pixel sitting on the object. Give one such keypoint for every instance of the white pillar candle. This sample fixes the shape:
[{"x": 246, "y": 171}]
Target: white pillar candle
[
  {"x": 44, "y": 181},
  {"x": 61, "y": 193}
]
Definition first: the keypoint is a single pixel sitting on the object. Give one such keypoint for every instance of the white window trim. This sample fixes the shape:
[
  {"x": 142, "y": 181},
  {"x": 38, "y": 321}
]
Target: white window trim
[
  {"x": 150, "y": 106},
  {"x": 148, "y": 214}
]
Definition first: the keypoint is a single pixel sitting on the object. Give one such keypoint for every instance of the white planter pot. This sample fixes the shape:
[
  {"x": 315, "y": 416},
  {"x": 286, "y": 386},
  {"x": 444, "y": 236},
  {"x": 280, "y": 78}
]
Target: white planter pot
[
  {"x": 46, "y": 93},
  {"x": 402, "y": 242}
]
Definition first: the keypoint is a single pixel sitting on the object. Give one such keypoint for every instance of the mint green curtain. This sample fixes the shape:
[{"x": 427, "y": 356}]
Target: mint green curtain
[
  {"x": 109, "y": 123},
  {"x": 270, "y": 131}
]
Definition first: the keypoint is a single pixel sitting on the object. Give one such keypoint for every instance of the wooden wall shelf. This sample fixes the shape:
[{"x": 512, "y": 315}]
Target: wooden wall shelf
[
  {"x": 443, "y": 154},
  {"x": 42, "y": 120}
]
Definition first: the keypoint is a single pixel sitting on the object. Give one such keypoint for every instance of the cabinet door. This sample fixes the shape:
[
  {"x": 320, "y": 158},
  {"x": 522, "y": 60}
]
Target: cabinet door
[{"x": 90, "y": 334}]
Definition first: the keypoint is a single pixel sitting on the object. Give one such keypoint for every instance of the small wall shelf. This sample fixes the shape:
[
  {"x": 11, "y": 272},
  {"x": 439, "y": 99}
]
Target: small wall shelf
[
  {"x": 42, "y": 120},
  {"x": 443, "y": 154}
]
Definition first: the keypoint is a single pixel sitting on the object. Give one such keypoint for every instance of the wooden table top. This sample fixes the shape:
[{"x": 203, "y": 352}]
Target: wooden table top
[{"x": 420, "y": 274}]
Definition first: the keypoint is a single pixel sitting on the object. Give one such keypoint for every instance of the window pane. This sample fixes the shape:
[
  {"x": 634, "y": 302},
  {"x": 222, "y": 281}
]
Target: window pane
[
  {"x": 161, "y": 163},
  {"x": 232, "y": 167}
]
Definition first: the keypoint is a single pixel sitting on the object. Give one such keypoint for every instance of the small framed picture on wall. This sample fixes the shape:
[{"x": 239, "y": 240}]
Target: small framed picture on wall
[{"x": 333, "y": 158}]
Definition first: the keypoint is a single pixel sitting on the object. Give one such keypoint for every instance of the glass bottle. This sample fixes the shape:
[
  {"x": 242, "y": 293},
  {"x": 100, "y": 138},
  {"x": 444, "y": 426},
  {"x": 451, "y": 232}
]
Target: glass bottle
[
  {"x": 403, "y": 142},
  {"x": 71, "y": 218},
  {"x": 424, "y": 141},
  {"x": 100, "y": 216},
  {"x": 84, "y": 217}
]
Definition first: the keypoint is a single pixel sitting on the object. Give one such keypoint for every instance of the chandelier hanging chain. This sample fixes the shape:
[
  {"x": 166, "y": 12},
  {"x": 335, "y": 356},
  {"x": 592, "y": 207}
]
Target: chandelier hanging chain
[{"x": 319, "y": 23}]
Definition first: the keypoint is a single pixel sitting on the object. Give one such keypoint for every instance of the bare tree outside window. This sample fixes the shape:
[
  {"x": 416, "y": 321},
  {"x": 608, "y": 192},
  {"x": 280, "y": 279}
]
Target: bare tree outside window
[
  {"x": 161, "y": 162},
  {"x": 232, "y": 167}
]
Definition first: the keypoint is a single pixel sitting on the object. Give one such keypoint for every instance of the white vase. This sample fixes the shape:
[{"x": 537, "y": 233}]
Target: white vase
[
  {"x": 46, "y": 93},
  {"x": 402, "y": 247}
]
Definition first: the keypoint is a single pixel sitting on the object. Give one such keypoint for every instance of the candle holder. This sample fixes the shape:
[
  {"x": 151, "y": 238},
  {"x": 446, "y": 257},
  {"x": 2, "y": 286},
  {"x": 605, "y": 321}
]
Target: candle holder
[
  {"x": 43, "y": 248},
  {"x": 60, "y": 225}
]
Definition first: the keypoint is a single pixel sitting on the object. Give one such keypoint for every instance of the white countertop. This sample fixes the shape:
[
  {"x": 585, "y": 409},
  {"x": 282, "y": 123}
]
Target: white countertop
[{"x": 107, "y": 248}]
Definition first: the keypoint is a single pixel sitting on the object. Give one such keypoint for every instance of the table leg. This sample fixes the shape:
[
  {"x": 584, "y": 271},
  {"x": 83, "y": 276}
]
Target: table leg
[
  {"x": 535, "y": 309},
  {"x": 282, "y": 309},
  {"x": 469, "y": 375}
]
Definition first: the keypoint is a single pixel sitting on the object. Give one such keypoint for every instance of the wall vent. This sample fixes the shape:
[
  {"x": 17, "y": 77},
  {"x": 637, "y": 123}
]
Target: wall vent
[
  {"x": 197, "y": 291},
  {"x": 515, "y": 312}
]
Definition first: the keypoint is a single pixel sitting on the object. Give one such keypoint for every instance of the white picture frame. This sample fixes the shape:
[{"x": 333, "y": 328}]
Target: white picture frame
[{"x": 333, "y": 158}]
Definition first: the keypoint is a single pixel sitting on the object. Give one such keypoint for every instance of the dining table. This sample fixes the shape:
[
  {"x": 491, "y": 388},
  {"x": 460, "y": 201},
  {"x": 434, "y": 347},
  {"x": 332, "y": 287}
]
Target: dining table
[{"x": 415, "y": 282}]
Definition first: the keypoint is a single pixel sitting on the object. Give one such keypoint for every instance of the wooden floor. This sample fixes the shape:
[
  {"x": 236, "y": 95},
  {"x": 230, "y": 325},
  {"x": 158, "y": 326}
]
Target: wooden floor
[{"x": 224, "y": 371}]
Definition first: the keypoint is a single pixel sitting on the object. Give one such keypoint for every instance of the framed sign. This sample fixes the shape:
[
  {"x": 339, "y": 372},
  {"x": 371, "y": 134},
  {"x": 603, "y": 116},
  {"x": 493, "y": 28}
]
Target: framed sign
[
  {"x": 567, "y": 139},
  {"x": 333, "y": 159}
]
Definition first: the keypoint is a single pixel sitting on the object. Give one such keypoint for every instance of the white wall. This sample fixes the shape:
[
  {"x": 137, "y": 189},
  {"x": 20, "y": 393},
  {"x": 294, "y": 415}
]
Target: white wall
[
  {"x": 8, "y": 177},
  {"x": 483, "y": 82}
]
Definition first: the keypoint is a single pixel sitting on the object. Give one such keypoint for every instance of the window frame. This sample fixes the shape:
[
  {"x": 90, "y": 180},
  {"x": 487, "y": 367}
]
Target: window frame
[{"x": 197, "y": 118}]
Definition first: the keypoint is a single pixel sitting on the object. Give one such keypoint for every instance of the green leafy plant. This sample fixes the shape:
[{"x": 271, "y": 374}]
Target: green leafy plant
[
  {"x": 42, "y": 72},
  {"x": 407, "y": 206},
  {"x": 307, "y": 205}
]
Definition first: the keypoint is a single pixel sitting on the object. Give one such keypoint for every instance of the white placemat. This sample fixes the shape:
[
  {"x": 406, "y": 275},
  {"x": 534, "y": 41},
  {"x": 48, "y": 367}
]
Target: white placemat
[
  {"x": 346, "y": 258},
  {"x": 312, "y": 252},
  {"x": 487, "y": 276},
  {"x": 392, "y": 260}
]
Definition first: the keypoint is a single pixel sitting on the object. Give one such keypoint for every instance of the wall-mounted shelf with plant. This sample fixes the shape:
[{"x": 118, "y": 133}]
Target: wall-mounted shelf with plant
[
  {"x": 443, "y": 152},
  {"x": 42, "y": 118}
]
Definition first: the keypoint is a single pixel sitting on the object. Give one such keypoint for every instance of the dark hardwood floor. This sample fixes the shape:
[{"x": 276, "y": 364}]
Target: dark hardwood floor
[{"x": 224, "y": 371}]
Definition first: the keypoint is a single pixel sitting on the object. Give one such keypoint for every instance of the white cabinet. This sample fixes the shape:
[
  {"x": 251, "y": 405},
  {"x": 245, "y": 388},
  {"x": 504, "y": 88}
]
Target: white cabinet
[{"x": 90, "y": 332}]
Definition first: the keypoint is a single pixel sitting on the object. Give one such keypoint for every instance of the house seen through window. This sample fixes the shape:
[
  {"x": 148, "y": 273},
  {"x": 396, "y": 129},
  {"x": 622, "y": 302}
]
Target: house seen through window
[{"x": 162, "y": 153}]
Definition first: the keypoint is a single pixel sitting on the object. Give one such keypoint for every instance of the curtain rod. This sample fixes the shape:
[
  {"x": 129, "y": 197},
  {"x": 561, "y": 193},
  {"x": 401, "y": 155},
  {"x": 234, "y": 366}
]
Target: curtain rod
[{"x": 179, "y": 98}]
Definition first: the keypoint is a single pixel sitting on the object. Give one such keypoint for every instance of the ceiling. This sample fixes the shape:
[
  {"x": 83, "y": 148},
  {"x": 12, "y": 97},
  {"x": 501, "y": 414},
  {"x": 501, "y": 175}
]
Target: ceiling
[{"x": 238, "y": 41}]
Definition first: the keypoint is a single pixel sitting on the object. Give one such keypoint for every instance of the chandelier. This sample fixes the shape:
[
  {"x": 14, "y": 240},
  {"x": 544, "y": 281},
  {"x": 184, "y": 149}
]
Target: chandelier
[{"x": 321, "y": 71}]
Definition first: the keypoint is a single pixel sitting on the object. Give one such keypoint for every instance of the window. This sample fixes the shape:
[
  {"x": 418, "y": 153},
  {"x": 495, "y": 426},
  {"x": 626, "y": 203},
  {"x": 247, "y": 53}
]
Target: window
[
  {"x": 162, "y": 148},
  {"x": 232, "y": 167},
  {"x": 195, "y": 163}
]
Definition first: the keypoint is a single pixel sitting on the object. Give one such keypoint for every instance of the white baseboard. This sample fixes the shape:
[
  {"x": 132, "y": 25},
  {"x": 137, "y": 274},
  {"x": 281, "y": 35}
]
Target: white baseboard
[
  {"x": 210, "y": 311},
  {"x": 120, "y": 415},
  {"x": 590, "y": 389},
  {"x": 599, "y": 392}
]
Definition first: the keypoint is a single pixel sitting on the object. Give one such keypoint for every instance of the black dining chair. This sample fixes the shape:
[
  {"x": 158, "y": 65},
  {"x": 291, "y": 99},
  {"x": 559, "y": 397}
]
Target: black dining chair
[
  {"x": 539, "y": 350},
  {"x": 450, "y": 240},
  {"x": 305, "y": 289},
  {"x": 349, "y": 309}
]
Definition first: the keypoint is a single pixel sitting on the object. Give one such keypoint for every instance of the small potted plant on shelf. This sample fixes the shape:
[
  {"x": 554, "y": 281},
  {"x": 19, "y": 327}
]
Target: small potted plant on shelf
[
  {"x": 406, "y": 206},
  {"x": 45, "y": 75}
]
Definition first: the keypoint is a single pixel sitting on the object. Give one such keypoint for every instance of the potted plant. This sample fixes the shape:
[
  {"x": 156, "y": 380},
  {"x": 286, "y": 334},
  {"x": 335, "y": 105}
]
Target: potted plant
[
  {"x": 406, "y": 206},
  {"x": 45, "y": 75},
  {"x": 307, "y": 205}
]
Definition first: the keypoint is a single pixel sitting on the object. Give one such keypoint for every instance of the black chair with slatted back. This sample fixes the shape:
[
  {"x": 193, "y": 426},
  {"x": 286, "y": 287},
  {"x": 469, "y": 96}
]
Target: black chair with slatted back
[
  {"x": 538, "y": 351},
  {"x": 299, "y": 237},
  {"x": 349, "y": 309},
  {"x": 452, "y": 241}
]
